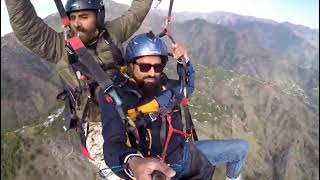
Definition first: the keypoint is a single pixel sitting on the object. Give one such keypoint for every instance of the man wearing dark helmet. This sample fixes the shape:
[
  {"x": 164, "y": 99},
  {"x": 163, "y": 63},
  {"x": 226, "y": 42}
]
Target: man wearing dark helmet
[{"x": 101, "y": 38}]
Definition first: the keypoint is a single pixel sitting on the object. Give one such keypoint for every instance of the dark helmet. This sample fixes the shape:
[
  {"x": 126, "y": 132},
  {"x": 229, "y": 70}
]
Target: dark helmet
[
  {"x": 96, "y": 5},
  {"x": 146, "y": 44}
]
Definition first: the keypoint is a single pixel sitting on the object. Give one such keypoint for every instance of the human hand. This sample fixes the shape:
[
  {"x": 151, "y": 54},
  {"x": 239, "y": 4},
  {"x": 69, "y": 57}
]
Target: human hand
[
  {"x": 179, "y": 51},
  {"x": 142, "y": 168}
]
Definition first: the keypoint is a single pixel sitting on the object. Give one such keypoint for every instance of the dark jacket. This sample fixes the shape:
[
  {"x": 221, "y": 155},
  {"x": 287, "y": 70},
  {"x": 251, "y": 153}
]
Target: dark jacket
[{"x": 114, "y": 130}]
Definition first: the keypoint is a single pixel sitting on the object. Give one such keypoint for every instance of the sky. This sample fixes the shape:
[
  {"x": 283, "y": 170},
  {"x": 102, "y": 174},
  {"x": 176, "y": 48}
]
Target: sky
[{"x": 303, "y": 12}]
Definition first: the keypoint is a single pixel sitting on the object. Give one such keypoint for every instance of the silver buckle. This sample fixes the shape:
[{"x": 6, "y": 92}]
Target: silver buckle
[{"x": 153, "y": 116}]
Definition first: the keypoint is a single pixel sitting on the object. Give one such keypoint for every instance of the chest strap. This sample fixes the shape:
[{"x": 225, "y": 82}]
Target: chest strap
[{"x": 115, "y": 51}]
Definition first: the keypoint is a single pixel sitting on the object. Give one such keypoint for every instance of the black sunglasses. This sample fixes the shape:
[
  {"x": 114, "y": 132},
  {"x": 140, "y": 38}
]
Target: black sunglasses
[{"x": 158, "y": 68}]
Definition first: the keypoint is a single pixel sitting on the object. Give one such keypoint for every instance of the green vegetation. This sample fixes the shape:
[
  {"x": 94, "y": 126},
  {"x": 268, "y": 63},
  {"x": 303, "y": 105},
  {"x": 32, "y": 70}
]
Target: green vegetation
[
  {"x": 10, "y": 154},
  {"x": 9, "y": 118},
  {"x": 37, "y": 130},
  {"x": 55, "y": 128},
  {"x": 22, "y": 147}
]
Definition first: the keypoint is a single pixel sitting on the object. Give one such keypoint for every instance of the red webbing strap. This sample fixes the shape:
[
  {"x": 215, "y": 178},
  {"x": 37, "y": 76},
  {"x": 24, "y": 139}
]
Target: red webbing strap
[
  {"x": 85, "y": 152},
  {"x": 170, "y": 133},
  {"x": 76, "y": 43},
  {"x": 66, "y": 22},
  {"x": 89, "y": 62}
]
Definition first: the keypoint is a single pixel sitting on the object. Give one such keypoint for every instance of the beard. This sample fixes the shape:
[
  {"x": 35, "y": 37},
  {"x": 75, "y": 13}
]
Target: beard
[{"x": 150, "y": 89}]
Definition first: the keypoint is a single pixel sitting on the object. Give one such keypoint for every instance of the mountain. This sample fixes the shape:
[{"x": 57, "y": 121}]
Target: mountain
[
  {"x": 282, "y": 54},
  {"x": 44, "y": 151},
  {"x": 282, "y": 131},
  {"x": 270, "y": 53},
  {"x": 28, "y": 85},
  {"x": 231, "y": 19},
  {"x": 283, "y": 40},
  {"x": 257, "y": 79}
]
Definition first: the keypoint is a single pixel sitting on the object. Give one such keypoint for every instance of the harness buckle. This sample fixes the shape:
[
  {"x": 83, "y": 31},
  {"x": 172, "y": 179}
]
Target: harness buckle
[
  {"x": 66, "y": 29},
  {"x": 153, "y": 116},
  {"x": 68, "y": 49}
]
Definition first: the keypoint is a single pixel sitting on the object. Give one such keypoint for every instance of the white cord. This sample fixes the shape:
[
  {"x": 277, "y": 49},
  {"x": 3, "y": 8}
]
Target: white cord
[
  {"x": 128, "y": 171},
  {"x": 71, "y": 145}
]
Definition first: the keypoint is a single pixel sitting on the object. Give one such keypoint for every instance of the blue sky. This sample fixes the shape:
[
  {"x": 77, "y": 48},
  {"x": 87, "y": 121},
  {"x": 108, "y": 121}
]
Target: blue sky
[{"x": 303, "y": 12}]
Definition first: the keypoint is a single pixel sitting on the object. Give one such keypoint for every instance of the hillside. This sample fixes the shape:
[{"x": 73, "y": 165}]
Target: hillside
[
  {"x": 28, "y": 85},
  {"x": 282, "y": 130},
  {"x": 239, "y": 51},
  {"x": 42, "y": 152}
]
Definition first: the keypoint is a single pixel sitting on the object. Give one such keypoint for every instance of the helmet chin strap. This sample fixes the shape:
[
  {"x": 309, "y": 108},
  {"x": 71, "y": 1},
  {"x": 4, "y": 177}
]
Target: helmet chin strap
[{"x": 100, "y": 18}]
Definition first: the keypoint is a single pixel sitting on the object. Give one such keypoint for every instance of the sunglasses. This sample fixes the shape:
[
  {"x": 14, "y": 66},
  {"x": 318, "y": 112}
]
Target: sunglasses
[{"x": 158, "y": 68}]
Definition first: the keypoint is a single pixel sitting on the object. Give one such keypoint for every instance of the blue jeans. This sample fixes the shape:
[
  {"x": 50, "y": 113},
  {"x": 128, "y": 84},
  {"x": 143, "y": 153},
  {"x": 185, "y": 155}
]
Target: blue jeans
[{"x": 233, "y": 152}]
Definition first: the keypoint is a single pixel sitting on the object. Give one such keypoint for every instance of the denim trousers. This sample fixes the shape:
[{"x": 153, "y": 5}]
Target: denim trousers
[{"x": 232, "y": 152}]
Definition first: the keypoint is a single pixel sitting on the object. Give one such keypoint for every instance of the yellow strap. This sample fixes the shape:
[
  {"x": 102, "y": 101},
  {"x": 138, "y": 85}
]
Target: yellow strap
[
  {"x": 128, "y": 141},
  {"x": 150, "y": 141},
  {"x": 124, "y": 72},
  {"x": 132, "y": 114},
  {"x": 124, "y": 69},
  {"x": 150, "y": 107}
]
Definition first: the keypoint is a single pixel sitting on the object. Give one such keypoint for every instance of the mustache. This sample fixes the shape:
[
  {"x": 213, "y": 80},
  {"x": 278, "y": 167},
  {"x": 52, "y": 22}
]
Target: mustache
[
  {"x": 78, "y": 30},
  {"x": 149, "y": 77}
]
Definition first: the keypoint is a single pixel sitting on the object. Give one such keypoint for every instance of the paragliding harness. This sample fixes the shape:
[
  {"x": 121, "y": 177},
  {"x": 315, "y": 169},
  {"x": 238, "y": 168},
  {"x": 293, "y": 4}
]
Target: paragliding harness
[
  {"x": 92, "y": 75},
  {"x": 160, "y": 108}
]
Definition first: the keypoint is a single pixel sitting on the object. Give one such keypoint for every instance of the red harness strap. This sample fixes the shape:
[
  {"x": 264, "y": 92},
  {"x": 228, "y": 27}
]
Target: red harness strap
[
  {"x": 85, "y": 152},
  {"x": 170, "y": 133}
]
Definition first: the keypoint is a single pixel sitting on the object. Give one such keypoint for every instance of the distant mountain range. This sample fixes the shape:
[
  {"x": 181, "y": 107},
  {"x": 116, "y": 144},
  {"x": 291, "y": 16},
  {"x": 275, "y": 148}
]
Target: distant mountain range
[
  {"x": 256, "y": 79},
  {"x": 282, "y": 54}
]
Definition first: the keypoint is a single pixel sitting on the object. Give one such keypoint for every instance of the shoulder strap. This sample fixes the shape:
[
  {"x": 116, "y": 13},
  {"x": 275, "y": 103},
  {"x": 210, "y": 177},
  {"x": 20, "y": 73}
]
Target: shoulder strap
[
  {"x": 116, "y": 52},
  {"x": 70, "y": 99}
]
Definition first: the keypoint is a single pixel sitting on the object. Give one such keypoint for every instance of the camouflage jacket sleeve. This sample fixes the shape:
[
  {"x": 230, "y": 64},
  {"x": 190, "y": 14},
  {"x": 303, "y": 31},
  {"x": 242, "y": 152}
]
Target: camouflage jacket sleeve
[
  {"x": 33, "y": 32},
  {"x": 123, "y": 27}
]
